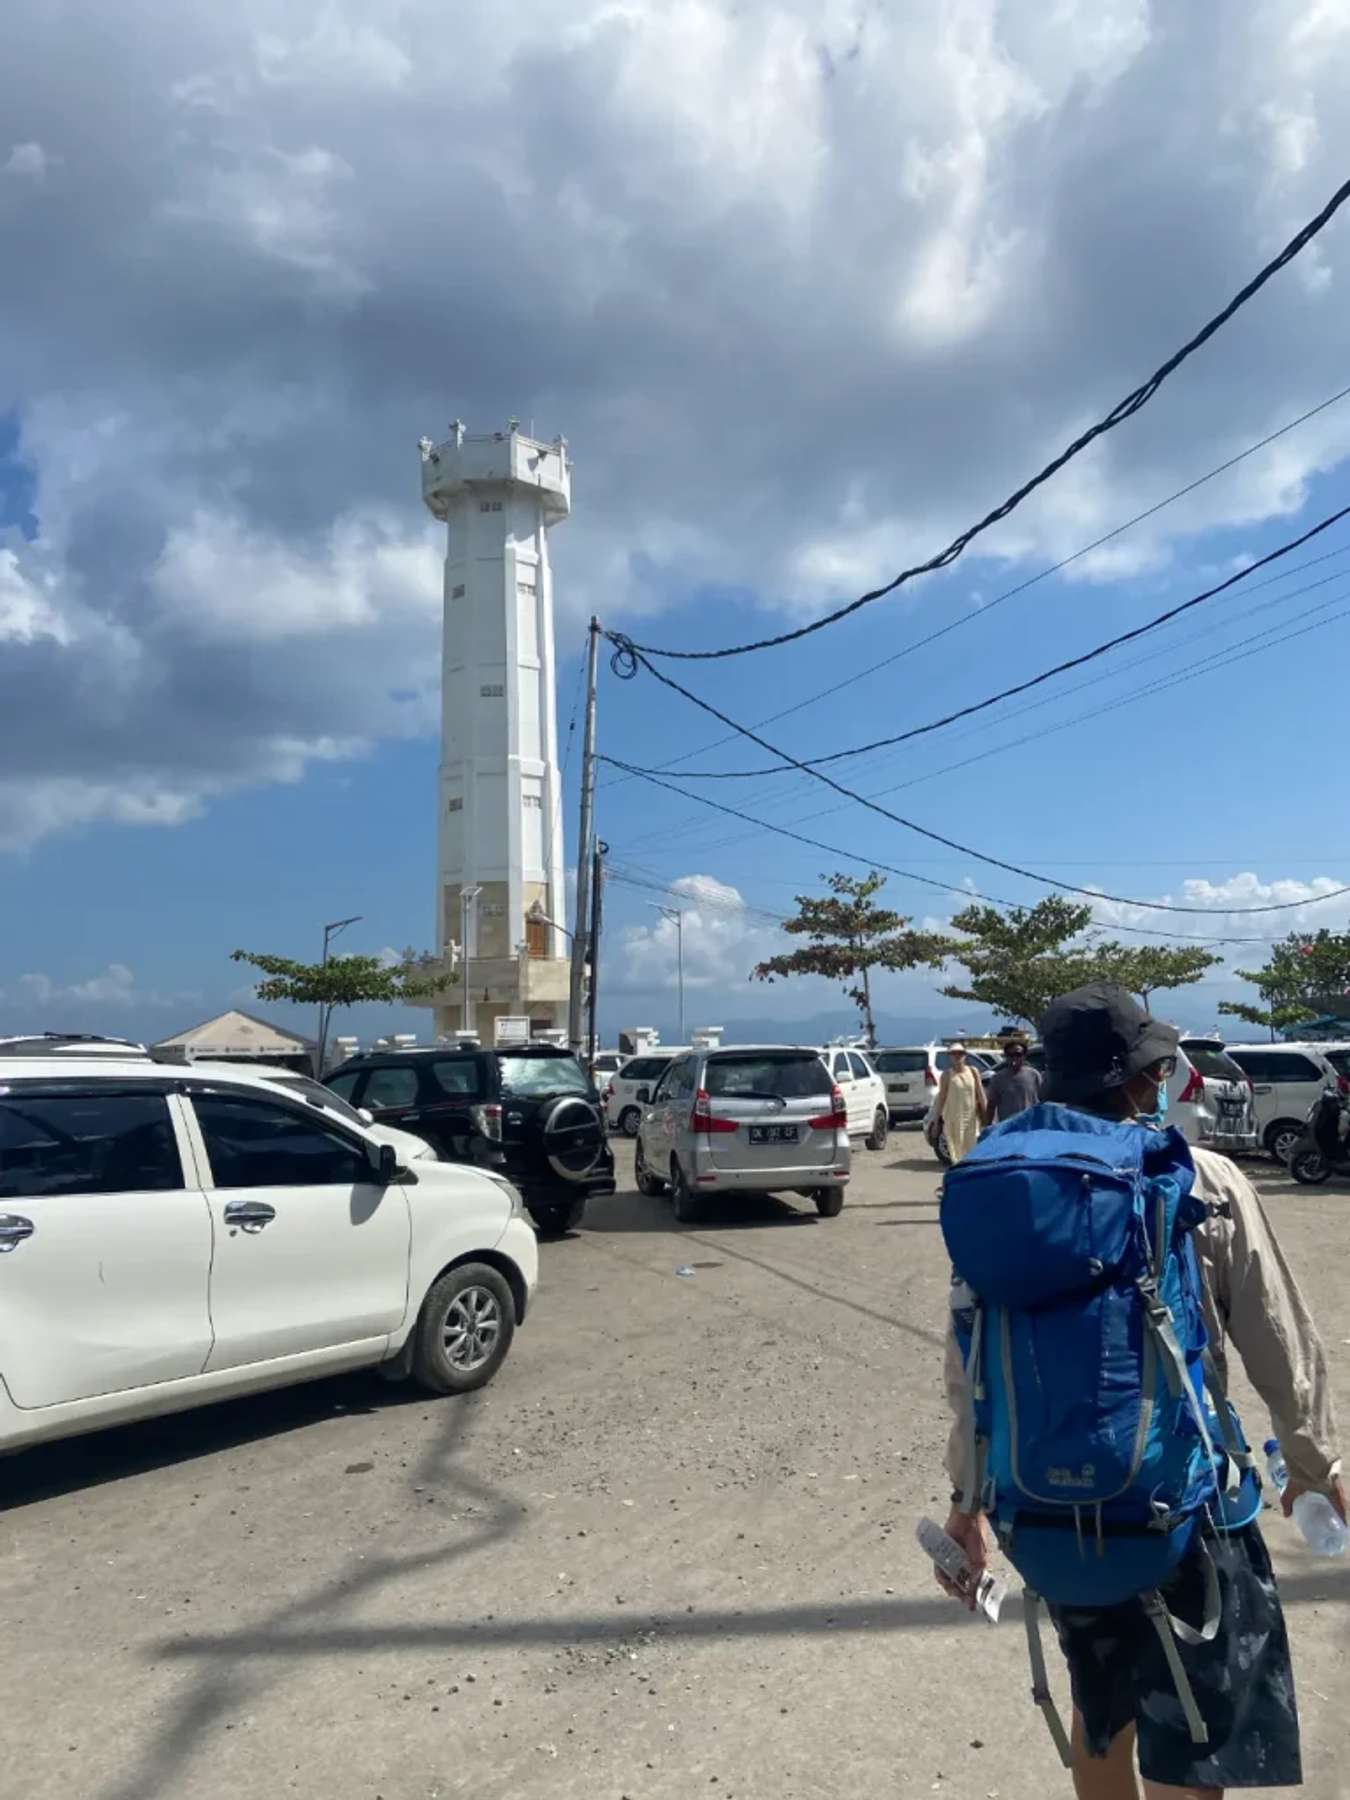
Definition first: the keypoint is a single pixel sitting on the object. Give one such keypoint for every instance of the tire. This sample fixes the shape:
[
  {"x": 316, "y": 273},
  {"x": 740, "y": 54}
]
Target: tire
[
  {"x": 940, "y": 1150},
  {"x": 555, "y": 1218},
  {"x": 630, "y": 1121},
  {"x": 1309, "y": 1167},
  {"x": 1282, "y": 1137},
  {"x": 881, "y": 1125},
  {"x": 573, "y": 1138},
  {"x": 646, "y": 1182},
  {"x": 685, "y": 1203},
  {"x": 829, "y": 1202},
  {"x": 464, "y": 1330}
]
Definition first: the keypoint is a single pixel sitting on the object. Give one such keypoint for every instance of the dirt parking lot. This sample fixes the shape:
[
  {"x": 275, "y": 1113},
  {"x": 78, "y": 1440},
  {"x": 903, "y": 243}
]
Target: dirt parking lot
[{"x": 669, "y": 1552}]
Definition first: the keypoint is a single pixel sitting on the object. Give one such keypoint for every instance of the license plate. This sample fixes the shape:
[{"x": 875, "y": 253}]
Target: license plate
[
  {"x": 898, "y": 1087},
  {"x": 773, "y": 1134},
  {"x": 1234, "y": 1107}
]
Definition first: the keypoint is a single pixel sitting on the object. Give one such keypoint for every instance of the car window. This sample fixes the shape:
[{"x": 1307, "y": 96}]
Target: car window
[
  {"x": 345, "y": 1085},
  {"x": 392, "y": 1086},
  {"x": 86, "y": 1143},
  {"x": 1254, "y": 1062},
  {"x": 460, "y": 1078},
  {"x": 1299, "y": 1068},
  {"x": 526, "y": 1076},
  {"x": 1339, "y": 1060},
  {"x": 319, "y": 1095},
  {"x": 646, "y": 1068},
  {"x": 774, "y": 1076},
  {"x": 901, "y": 1062},
  {"x": 858, "y": 1066},
  {"x": 256, "y": 1143},
  {"x": 661, "y": 1090},
  {"x": 1214, "y": 1064}
]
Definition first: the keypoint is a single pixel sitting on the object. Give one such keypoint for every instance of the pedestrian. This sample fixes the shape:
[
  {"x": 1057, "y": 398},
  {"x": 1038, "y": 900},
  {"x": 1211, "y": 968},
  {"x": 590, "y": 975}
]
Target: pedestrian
[
  {"x": 960, "y": 1102},
  {"x": 1193, "y": 1677},
  {"x": 1014, "y": 1085}
]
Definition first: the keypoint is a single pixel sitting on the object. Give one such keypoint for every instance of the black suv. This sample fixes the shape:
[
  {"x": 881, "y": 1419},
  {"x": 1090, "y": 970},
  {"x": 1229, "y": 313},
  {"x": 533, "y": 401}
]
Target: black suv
[{"x": 530, "y": 1113}]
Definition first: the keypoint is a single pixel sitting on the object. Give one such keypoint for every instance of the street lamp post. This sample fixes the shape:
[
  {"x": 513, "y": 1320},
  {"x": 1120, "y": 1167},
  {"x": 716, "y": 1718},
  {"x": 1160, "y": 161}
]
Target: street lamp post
[
  {"x": 674, "y": 912},
  {"x": 467, "y": 896},
  {"x": 325, "y": 1009}
]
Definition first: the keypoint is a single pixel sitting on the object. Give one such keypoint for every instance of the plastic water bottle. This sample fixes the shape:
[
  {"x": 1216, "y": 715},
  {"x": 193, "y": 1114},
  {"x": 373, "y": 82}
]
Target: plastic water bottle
[{"x": 1322, "y": 1526}]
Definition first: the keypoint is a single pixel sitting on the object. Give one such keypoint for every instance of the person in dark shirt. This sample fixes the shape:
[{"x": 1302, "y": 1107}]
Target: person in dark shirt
[{"x": 1014, "y": 1086}]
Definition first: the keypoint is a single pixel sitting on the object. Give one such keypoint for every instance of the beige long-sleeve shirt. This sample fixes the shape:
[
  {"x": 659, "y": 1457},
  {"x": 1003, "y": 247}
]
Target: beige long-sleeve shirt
[{"x": 1250, "y": 1296}]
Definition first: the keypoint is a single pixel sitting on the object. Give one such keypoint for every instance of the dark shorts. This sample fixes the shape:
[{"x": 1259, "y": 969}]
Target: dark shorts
[{"x": 1242, "y": 1680}]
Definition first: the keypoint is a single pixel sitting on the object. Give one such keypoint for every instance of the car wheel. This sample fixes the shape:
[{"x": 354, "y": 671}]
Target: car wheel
[
  {"x": 1282, "y": 1137},
  {"x": 940, "y": 1150},
  {"x": 686, "y": 1206},
  {"x": 464, "y": 1329},
  {"x": 1309, "y": 1167},
  {"x": 647, "y": 1183},
  {"x": 881, "y": 1125},
  {"x": 555, "y": 1218},
  {"x": 829, "y": 1202},
  {"x": 630, "y": 1121}
]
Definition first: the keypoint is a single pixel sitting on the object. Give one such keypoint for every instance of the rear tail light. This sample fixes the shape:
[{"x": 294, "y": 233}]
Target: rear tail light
[
  {"x": 1342, "y": 1085},
  {"x": 929, "y": 1078},
  {"x": 701, "y": 1120},
  {"x": 834, "y": 1120},
  {"x": 487, "y": 1122},
  {"x": 608, "y": 1094},
  {"x": 1194, "y": 1091}
]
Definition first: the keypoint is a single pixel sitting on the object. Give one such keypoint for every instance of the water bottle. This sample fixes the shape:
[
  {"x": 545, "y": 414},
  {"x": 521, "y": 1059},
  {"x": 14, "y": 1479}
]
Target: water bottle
[{"x": 1322, "y": 1526}]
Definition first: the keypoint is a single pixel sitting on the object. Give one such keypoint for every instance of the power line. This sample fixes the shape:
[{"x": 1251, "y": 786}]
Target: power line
[
  {"x": 1008, "y": 693},
  {"x": 937, "y": 837},
  {"x": 946, "y": 887},
  {"x": 1218, "y": 658},
  {"x": 967, "y": 618},
  {"x": 1124, "y": 409}
]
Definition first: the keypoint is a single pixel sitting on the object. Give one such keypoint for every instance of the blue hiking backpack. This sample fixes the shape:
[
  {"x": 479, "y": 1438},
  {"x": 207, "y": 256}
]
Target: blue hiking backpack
[{"x": 1097, "y": 1440}]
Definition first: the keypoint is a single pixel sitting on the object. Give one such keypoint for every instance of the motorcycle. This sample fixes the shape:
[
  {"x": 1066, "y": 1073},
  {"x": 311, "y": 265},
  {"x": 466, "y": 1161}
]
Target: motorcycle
[{"x": 1324, "y": 1148}]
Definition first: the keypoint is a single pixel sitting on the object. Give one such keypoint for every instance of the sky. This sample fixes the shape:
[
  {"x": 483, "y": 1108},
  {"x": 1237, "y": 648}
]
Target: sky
[{"x": 808, "y": 286}]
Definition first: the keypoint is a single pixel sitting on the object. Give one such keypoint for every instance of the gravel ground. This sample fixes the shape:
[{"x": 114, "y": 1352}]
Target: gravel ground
[{"x": 668, "y": 1552}]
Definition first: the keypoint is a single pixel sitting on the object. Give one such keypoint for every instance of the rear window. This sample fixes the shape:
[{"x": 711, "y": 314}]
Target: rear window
[
  {"x": 1339, "y": 1060},
  {"x": 1215, "y": 1065},
  {"x": 765, "y": 1075},
  {"x": 645, "y": 1068},
  {"x": 96, "y": 1142},
  {"x": 319, "y": 1095},
  {"x": 901, "y": 1062},
  {"x": 528, "y": 1075}
]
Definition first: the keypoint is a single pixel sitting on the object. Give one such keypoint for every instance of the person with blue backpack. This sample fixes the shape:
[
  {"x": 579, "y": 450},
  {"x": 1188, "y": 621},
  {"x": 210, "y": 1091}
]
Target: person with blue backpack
[{"x": 1100, "y": 1265}]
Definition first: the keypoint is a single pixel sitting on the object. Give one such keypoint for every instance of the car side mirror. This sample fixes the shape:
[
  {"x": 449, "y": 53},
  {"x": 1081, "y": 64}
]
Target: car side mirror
[
  {"x": 386, "y": 1164},
  {"x": 644, "y": 1096}
]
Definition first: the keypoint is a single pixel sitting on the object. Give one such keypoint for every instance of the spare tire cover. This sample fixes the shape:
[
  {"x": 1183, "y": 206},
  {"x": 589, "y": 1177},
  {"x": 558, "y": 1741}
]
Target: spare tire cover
[{"x": 574, "y": 1137}]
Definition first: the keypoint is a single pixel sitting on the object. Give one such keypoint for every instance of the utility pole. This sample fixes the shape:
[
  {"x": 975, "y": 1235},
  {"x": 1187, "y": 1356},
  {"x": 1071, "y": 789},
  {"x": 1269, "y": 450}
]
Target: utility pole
[
  {"x": 325, "y": 1009},
  {"x": 597, "y": 907},
  {"x": 673, "y": 912},
  {"x": 585, "y": 830},
  {"x": 467, "y": 896}
]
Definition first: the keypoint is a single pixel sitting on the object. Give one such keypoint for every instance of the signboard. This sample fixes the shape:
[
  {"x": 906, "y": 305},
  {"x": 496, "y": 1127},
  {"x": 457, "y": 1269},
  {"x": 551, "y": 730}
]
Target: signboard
[{"x": 510, "y": 1030}]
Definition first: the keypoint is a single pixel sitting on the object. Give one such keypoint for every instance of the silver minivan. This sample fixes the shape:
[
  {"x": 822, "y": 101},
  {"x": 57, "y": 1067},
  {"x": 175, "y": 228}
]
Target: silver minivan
[{"x": 749, "y": 1120}]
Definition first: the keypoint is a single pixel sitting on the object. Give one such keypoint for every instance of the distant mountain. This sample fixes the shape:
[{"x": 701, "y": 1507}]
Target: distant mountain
[{"x": 814, "y": 1028}]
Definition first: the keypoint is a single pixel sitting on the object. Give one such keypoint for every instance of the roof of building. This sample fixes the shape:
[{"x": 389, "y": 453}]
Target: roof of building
[{"x": 238, "y": 1033}]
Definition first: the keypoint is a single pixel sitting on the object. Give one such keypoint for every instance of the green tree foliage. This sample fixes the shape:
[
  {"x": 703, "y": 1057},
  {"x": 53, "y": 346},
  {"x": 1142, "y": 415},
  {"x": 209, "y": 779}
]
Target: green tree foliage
[
  {"x": 1301, "y": 976},
  {"x": 1145, "y": 969},
  {"x": 1018, "y": 961},
  {"x": 850, "y": 936},
  {"x": 342, "y": 980}
]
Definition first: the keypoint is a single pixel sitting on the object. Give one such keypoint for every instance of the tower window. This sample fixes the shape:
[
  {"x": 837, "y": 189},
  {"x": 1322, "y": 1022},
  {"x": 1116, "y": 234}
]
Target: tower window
[
  {"x": 454, "y": 806},
  {"x": 489, "y": 506},
  {"x": 491, "y": 690},
  {"x": 457, "y": 592},
  {"x": 536, "y": 936}
]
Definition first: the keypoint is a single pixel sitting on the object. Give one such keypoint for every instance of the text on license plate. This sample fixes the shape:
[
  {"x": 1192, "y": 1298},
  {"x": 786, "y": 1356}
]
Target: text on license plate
[{"x": 773, "y": 1134}]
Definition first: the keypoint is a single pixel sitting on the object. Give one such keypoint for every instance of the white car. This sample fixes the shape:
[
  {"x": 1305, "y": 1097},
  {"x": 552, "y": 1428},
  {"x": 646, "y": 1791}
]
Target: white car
[
  {"x": 912, "y": 1072},
  {"x": 630, "y": 1088},
  {"x": 750, "y": 1120},
  {"x": 172, "y": 1235},
  {"x": 864, "y": 1091},
  {"x": 409, "y": 1146},
  {"x": 607, "y": 1063},
  {"x": 1287, "y": 1081}
]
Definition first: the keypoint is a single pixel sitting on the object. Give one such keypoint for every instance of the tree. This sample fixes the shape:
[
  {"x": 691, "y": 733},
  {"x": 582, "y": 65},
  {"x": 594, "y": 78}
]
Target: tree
[
  {"x": 1018, "y": 961},
  {"x": 343, "y": 981},
  {"x": 1302, "y": 976},
  {"x": 1146, "y": 968},
  {"x": 849, "y": 937}
]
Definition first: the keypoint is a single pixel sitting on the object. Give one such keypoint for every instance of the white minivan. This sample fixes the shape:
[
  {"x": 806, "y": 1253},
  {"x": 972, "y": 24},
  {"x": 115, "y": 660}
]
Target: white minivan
[
  {"x": 1287, "y": 1081},
  {"x": 175, "y": 1235},
  {"x": 630, "y": 1088}
]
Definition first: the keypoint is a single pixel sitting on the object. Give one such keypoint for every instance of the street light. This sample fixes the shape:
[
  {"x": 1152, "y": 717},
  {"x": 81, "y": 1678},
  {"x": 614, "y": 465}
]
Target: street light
[
  {"x": 673, "y": 912},
  {"x": 325, "y": 1009}
]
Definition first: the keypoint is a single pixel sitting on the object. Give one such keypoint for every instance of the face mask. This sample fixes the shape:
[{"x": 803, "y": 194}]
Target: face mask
[{"x": 1159, "y": 1112}]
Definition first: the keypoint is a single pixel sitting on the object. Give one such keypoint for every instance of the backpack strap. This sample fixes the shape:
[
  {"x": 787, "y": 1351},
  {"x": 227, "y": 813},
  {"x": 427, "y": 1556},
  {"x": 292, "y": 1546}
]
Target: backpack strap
[
  {"x": 972, "y": 1470},
  {"x": 1040, "y": 1684},
  {"x": 1173, "y": 1359},
  {"x": 1169, "y": 1628},
  {"x": 1240, "y": 1458}
]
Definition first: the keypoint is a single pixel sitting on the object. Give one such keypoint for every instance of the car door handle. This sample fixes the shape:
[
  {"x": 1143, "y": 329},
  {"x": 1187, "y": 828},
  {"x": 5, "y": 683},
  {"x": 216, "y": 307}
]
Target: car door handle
[
  {"x": 249, "y": 1215},
  {"x": 14, "y": 1228},
  {"x": 1263, "y": 1088}
]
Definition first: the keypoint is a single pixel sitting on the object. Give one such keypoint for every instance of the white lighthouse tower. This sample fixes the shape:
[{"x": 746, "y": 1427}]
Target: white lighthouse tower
[{"x": 499, "y": 880}]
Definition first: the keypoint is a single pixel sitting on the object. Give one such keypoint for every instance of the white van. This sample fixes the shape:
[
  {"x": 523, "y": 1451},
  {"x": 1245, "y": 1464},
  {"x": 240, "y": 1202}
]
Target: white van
[
  {"x": 1287, "y": 1081},
  {"x": 628, "y": 1090}
]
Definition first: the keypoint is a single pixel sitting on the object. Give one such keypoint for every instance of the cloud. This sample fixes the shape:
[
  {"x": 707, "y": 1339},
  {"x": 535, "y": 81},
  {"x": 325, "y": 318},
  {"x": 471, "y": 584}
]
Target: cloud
[
  {"x": 807, "y": 285},
  {"x": 722, "y": 941},
  {"x": 1226, "y": 910},
  {"x": 36, "y": 995}
]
